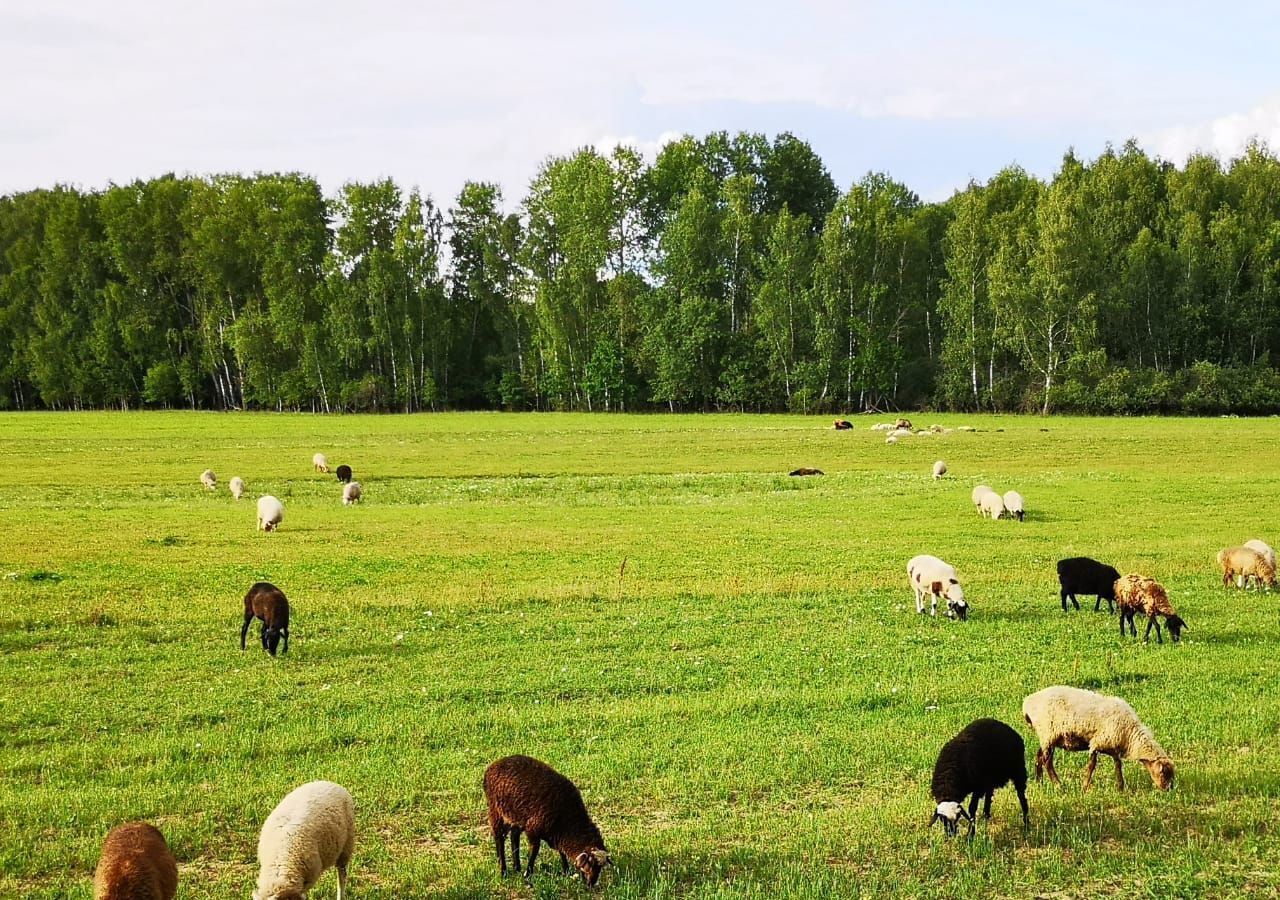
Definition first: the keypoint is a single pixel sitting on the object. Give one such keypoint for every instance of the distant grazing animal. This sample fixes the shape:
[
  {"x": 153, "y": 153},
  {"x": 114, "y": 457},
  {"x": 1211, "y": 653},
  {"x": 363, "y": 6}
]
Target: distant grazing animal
[
  {"x": 903, "y": 423},
  {"x": 135, "y": 865},
  {"x": 270, "y": 513},
  {"x": 312, "y": 829},
  {"x": 843, "y": 425},
  {"x": 237, "y": 487},
  {"x": 939, "y": 469},
  {"x": 1261, "y": 547},
  {"x": 209, "y": 480},
  {"x": 1245, "y": 564},
  {"x": 991, "y": 505},
  {"x": 1139, "y": 594},
  {"x": 931, "y": 577},
  {"x": 1013, "y": 505},
  {"x": 351, "y": 493},
  {"x": 344, "y": 473},
  {"x": 882, "y": 426},
  {"x": 1082, "y": 575},
  {"x": 526, "y": 795},
  {"x": 977, "y": 494},
  {"x": 1074, "y": 719},
  {"x": 320, "y": 463},
  {"x": 987, "y": 754},
  {"x": 807, "y": 472},
  {"x": 267, "y": 602}
]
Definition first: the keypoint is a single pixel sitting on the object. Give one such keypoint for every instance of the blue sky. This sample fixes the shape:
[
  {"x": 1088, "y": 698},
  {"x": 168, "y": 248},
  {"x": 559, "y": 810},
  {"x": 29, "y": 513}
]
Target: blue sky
[{"x": 435, "y": 93}]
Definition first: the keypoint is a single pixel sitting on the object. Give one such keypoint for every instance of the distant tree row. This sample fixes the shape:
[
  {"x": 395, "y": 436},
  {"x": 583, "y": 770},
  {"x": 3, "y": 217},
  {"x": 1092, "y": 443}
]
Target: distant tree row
[{"x": 729, "y": 274}]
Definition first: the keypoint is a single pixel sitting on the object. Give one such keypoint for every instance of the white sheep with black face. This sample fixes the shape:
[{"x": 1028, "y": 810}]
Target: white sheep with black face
[{"x": 930, "y": 576}]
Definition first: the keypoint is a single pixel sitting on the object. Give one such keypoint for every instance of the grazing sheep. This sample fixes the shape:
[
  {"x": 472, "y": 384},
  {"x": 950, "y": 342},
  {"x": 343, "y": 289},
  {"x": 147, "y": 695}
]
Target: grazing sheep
[
  {"x": 1073, "y": 719},
  {"x": 933, "y": 577},
  {"x": 843, "y": 425},
  {"x": 527, "y": 795},
  {"x": 321, "y": 464},
  {"x": 903, "y": 423},
  {"x": 938, "y": 429},
  {"x": 344, "y": 474},
  {"x": 977, "y": 494},
  {"x": 1245, "y": 564},
  {"x": 237, "y": 487},
  {"x": 270, "y": 513},
  {"x": 135, "y": 865},
  {"x": 804, "y": 471},
  {"x": 1082, "y": 575},
  {"x": 351, "y": 493},
  {"x": 1267, "y": 553},
  {"x": 267, "y": 602},
  {"x": 1013, "y": 505},
  {"x": 939, "y": 469},
  {"x": 1139, "y": 594},
  {"x": 311, "y": 830},
  {"x": 990, "y": 505},
  {"x": 209, "y": 480},
  {"x": 987, "y": 754}
]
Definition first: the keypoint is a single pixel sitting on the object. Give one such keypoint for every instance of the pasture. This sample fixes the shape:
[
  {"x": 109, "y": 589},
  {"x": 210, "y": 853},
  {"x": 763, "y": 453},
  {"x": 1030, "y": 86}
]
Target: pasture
[{"x": 750, "y": 703}]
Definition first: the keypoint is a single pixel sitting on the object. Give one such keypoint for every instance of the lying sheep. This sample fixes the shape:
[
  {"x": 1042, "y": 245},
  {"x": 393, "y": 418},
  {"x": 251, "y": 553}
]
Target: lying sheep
[
  {"x": 1139, "y": 594},
  {"x": 1074, "y": 719},
  {"x": 990, "y": 505},
  {"x": 209, "y": 480},
  {"x": 1082, "y": 575},
  {"x": 320, "y": 463},
  {"x": 903, "y": 423},
  {"x": 1245, "y": 564},
  {"x": 344, "y": 474},
  {"x": 882, "y": 426},
  {"x": 351, "y": 493},
  {"x": 312, "y": 829},
  {"x": 135, "y": 865},
  {"x": 843, "y": 425},
  {"x": 267, "y": 602},
  {"x": 933, "y": 577},
  {"x": 901, "y": 432},
  {"x": 987, "y": 754},
  {"x": 891, "y": 439},
  {"x": 526, "y": 795},
  {"x": 805, "y": 471},
  {"x": 977, "y": 494},
  {"x": 1013, "y": 505},
  {"x": 237, "y": 487},
  {"x": 270, "y": 513},
  {"x": 1261, "y": 547},
  {"x": 939, "y": 469}
]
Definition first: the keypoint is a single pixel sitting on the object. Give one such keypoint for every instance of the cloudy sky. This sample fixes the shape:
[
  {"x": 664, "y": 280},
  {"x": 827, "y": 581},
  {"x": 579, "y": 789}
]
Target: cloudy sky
[{"x": 434, "y": 93}]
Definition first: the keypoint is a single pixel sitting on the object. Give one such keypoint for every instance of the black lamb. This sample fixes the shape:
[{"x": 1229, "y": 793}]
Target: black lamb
[
  {"x": 1082, "y": 575},
  {"x": 344, "y": 474},
  {"x": 986, "y": 755}
]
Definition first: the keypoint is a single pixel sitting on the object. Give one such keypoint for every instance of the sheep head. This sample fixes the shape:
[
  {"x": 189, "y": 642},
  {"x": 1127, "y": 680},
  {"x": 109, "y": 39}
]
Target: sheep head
[
  {"x": 1176, "y": 626},
  {"x": 1161, "y": 770},
  {"x": 958, "y": 609},
  {"x": 949, "y": 813},
  {"x": 590, "y": 862}
]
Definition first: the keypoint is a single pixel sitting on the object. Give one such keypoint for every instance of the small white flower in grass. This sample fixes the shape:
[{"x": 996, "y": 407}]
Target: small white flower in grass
[{"x": 400, "y": 638}]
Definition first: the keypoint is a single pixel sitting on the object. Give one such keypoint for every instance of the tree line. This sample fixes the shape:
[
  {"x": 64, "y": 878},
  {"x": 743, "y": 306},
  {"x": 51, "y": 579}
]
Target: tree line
[{"x": 729, "y": 273}]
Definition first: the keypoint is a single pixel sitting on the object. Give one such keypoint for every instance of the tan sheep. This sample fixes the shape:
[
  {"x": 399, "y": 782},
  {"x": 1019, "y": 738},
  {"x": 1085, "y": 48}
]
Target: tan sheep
[
  {"x": 1139, "y": 594},
  {"x": 1243, "y": 564},
  {"x": 237, "y": 487},
  {"x": 939, "y": 469},
  {"x": 1267, "y": 553},
  {"x": 320, "y": 463},
  {"x": 209, "y": 480}
]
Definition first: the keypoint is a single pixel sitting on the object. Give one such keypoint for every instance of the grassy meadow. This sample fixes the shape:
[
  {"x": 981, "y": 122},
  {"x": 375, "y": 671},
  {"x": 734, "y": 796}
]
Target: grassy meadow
[{"x": 726, "y": 660}]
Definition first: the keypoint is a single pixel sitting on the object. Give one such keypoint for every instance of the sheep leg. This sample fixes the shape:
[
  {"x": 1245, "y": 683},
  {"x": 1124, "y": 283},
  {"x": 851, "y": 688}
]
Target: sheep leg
[
  {"x": 534, "y": 844},
  {"x": 973, "y": 811},
  {"x": 515, "y": 848},
  {"x": 986, "y": 805},
  {"x": 285, "y": 632},
  {"x": 1146, "y": 635},
  {"x": 564, "y": 863},
  {"x": 248, "y": 618},
  {"x": 1119, "y": 772},
  {"x": 342, "y": 877},
  {"x": 1021, "y": 787},
  {"x": 1039, "y": 764},
  {"x": 1048, "y": 764},
  {"x": 1088, "y": 769},
  {"x": 499, "y": 841}
]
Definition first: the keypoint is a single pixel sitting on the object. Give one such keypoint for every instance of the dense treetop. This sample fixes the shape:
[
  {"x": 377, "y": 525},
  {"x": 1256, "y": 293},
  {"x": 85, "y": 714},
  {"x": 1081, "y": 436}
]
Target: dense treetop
[{"x": 730, "y": 273}]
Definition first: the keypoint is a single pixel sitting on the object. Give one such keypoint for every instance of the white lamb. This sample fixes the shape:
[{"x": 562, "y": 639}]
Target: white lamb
[
  {"x": 933, "y": 577},
  {"x": 1074, "y": 719},
  {"x": 237, "y": 487},
  {"x": 977, "y": 494},
  {"x": 991, "y": 505},
  {"x": 313, "y": 829},
  {"x": 270, "y": 513},
  {"x": 1013, "y": 505},
  {"x": 350, "y": 493},
  {"x": 321, "y": 464},
  {"x": 209, "y": 480},
  {"x": 939, "y": 469},
  {"x": 1262, "y": 550}
]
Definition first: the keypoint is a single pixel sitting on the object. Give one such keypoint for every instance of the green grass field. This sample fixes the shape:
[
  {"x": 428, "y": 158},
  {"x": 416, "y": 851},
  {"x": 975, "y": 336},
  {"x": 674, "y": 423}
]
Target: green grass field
[{"x": 750, "y": 704}]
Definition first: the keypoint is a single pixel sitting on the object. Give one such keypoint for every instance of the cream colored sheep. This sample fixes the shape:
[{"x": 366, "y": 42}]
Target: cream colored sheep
[
  {"x": 209, "y": 480},
  {"x": 991, "y": 505},
  {"x": 1074, "y": 719},
  {"x": 1013, "y": 505},
  {"x": 939, "y": 469},
  {"x": 312, "y": 829},
  {"x": 321, "y": 464},
  {"x": 977, "y": 494},
  {"x": 1261, "y": 547},
  {"x": 891, "y": 439},
  {"x": 882, "y": 426},
  {"x": 1245, "y": 564},
  {"x": 270, "y": 513},
  {"x": 350, "y": 493},
  {"x": 931, "y": 577},
  {"x": 237, "y": 487},
  {"x": 900, "y": 432}
]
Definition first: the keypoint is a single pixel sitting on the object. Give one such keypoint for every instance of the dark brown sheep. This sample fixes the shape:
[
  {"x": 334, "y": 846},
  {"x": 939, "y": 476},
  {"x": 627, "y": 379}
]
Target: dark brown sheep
[
  {"x": 344, "y": 474},
  {"x": 267, "y": 602},
  {"x": 805, "y": 471},
  {"x": 530, "y": 796},
  {"x": 135, "y": 865},
  {"x": 843, "y": 425}
]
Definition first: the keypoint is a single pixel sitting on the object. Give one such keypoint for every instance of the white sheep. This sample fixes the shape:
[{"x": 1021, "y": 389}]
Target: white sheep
[
  {"x": 311, "y": 830},
  {"x": 901, "y": 432},
  {"x": 977, "y": 494},
  {"x": 1013, "y": 504},
  {"x": 209, "y": 480},
  {"x": 933, "y": 577},
  {"x": 237, "y": 487},
  {"x": 350, "y": 493},
  {"x": 270, "y": 513},
  {"x": 1075, "y": 719},
  {"x": 1262, "y": 550},
  {"x": 991, "y": 505},
  {"x": 891, "y": 439},
  {"x": 939, "y": 469},
  {"x": 882, "y": 426},
  {"x": 321, "y": 464}
]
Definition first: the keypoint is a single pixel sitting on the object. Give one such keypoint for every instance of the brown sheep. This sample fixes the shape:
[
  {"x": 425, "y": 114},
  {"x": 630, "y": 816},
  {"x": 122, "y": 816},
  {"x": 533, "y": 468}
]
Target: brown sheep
[
  {"x": 1139, "y": 594},
  {"x": 135, "y": 865},
  {"x": 527, "y": 795},
  {"x": 902, "y": 423},
  {"x": 843, "y": 425},
  {"x": 1244, "y": 563},
  {"x": 806, "y": 471},
  {"x": 267, "y": 602}
]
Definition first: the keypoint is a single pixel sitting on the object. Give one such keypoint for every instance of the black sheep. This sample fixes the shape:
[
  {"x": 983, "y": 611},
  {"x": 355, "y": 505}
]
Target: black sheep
[
  {"x": 267, "y": 602},
  {"x": 344, "y": 474},
  {"x": 986, "y": 755},
  {"x": 1082, "y": 575}
]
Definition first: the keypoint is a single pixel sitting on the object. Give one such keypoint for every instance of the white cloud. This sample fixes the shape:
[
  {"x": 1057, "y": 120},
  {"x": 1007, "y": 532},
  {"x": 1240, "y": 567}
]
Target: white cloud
[{"x": 1225, "y": 137}]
